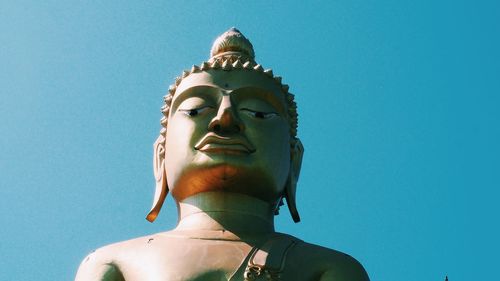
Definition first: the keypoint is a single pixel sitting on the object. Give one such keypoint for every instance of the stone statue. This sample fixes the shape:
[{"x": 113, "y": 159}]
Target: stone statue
[{"x": 228, "y": 154}]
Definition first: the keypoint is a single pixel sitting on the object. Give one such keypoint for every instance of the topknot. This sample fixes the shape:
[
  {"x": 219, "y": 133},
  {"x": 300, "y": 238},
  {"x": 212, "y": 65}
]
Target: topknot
[{"x": 232, "y": 42}]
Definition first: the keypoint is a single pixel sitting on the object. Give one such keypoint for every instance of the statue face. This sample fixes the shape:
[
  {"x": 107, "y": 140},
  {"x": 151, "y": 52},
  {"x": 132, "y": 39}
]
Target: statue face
[{"x": 228, "y": 131}]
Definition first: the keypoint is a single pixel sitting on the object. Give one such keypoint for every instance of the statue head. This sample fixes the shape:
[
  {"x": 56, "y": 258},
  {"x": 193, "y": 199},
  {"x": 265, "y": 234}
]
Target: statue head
[{"x": 228, "y": 126}]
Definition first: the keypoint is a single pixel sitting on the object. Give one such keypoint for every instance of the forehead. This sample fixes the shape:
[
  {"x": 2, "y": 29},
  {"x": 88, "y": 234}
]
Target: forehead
[{"x": 233, "y": 80}]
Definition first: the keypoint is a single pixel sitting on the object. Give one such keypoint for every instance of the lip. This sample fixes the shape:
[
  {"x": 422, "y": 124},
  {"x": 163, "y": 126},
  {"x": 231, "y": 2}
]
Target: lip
[{"x": 212, "y": 143}]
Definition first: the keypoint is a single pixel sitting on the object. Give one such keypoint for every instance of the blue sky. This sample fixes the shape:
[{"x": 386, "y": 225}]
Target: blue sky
[{"x": 399, "y": 112}]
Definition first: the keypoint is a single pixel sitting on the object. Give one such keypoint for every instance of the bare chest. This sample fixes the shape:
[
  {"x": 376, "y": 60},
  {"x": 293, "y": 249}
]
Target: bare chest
[
  {"x": 209, "y": 260},
  {"x": 193, "y": 261}
]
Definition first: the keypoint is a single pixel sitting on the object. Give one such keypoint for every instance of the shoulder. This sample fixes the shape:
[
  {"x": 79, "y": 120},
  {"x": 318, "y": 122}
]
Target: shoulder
[
  {"x": 106, "y": 262},
  {"x": 327, "y": 264},
  {"x": 346, "y": 268},
  {"x": 98, "y": 265}
]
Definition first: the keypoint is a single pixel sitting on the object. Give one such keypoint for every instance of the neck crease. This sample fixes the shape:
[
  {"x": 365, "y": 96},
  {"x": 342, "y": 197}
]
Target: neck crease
[{"x": 225, "y": 211}]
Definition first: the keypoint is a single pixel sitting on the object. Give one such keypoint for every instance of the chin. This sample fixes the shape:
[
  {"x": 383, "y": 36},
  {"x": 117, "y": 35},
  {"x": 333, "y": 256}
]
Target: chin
[{"x": 226, "y": 177}]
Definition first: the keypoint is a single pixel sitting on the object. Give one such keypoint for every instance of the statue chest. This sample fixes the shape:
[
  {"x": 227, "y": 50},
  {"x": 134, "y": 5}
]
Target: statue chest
[
  {"x": 207, "y": 260},
  {"x": 194, "y": 261}
]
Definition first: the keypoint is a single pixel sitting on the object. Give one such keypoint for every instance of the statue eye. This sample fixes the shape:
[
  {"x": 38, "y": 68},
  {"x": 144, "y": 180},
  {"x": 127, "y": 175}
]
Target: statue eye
[
  {"x": 194, "y": 111},
  {"x": 259, "y": 114}
]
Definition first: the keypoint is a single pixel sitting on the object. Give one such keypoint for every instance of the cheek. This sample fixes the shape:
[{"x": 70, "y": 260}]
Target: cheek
[
  {"x": 276, "y": 137},
  {"x": 178, "y": 135},
  {"x": 183, "y": 132},
  {"x": 281, "y": 160},
  {"x": 276, "y": 148},
  {"x": 181, "y": 136}
]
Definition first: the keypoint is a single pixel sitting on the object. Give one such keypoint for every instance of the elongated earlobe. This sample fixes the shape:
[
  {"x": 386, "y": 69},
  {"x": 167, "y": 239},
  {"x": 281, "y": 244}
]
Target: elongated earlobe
[
  {"x": 160, "y": 177},
  {"x": 160, "y": 195},
  {"x": 293, "y": 177}
]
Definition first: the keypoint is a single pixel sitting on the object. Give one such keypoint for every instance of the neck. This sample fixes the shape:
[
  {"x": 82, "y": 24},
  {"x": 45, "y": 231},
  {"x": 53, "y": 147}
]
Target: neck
[{"x": 216, "y": 212}]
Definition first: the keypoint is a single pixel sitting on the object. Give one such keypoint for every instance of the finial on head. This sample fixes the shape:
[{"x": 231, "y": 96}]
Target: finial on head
[{"x": 232, "y": 43}]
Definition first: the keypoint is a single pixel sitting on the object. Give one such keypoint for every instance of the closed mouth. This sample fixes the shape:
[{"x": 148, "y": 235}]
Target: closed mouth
[{"x": 228, "y": 145}]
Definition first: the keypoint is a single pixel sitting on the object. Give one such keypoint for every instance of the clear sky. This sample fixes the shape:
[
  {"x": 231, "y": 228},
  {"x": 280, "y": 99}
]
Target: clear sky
[{"x": 399, "y": 115}]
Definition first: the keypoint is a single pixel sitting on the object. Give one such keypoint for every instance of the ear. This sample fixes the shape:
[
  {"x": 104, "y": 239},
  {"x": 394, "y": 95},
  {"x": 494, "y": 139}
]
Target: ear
[
  {"x": 160, "y": 177},
  {"x": 296, "y": 153}
]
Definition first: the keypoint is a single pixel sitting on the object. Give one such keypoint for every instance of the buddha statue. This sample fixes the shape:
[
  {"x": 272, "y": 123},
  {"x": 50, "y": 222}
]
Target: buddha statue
[{"x": 229, "y": 155}]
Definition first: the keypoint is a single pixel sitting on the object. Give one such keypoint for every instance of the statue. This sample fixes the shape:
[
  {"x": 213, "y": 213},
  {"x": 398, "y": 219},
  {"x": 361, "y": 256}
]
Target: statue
[{"x": 228, "y": 154}]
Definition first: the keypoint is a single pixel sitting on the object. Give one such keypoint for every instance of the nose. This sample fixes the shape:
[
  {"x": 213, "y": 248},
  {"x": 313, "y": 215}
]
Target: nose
[{"x": 226, "y": 121}]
